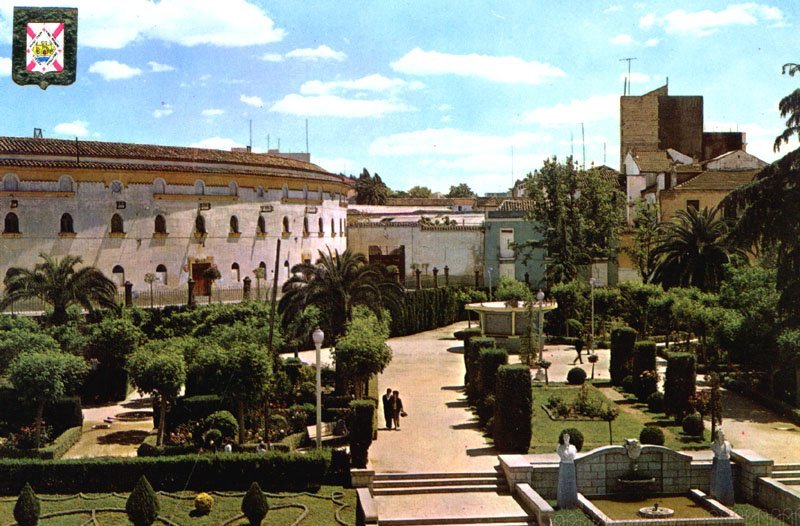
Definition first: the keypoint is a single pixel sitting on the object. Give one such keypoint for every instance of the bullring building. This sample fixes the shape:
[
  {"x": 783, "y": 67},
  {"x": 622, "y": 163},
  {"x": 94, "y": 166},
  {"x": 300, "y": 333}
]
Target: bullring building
[{"x": 132, "y": 210}]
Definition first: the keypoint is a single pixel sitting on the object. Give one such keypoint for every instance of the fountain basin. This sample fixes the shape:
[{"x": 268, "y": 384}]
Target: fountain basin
[
  {"x": 694, "y": 508},
  {"x": 635, "y": 485},
  {"x": 656, "y": 512}
]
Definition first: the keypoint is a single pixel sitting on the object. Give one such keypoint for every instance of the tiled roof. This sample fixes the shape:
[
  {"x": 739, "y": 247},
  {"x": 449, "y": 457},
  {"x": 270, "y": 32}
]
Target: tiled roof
[
  {"x": 652, "y": 161},
  {"x": 429, "y": 201},
  {"x": 718, "y": 180},
  {"x": 516, "y": 205}
]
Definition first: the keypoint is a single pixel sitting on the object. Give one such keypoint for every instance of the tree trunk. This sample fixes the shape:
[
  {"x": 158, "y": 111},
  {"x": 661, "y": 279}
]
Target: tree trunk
[
  {"x": 38, "y": 424},
  {"x": 610, "y": 434},
  {"x": 240, "y": 418},
  {"x": 162, "y": 420}
]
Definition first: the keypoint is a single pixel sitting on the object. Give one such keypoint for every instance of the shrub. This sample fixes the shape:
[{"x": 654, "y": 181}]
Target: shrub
[
  {"x": 647, "y": 385},
  {"x": 643, "y": 359},
  {"x": 213, "y": 438},
  {"x": 465, "y": 334},
  {"x": 575, "y": 437},
  {"x": 627, "y": 384},
  {"x": 679, "y": 384},
  {"x": 486, "y": 409},
  {"x": 509, "y": 289},
  {"x": 693, "y": 425},
  {"x": 224, "y": 421},
  {"x": 278, "y": 426},
  {"x": 142, "y": 505},
  {"x": 472, "y": 365},
  {"x": 576, "y": 376},
  {"x": 194, "y": 408},
  {"x": 652, "y": 435},
  {"x": 255, "y": 505},
  {"x": 360, "y": 426},
  {"x": 203, "y": 503},
  {"x": 622, "y": 342},
  {"x": 655, "y": 402},
  {"x": 490, "y": 360},
  {"x": 27, "y": 509},
  {"x": 513, "y": 409}
]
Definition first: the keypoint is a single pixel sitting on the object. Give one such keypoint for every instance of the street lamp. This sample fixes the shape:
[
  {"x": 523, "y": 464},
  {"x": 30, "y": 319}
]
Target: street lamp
[
  {"x": 490, "y": 283},
  {"x": 318, "y": 336},
  {"x": 540, "y": 299},
  {"x": 592, "y": 284}
]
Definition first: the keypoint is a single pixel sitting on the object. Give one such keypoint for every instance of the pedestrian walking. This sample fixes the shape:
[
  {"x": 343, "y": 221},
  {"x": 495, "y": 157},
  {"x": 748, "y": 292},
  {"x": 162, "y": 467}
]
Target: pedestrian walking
[
  {"x": 388, "y": 408},
  {"x": 398, "y": 409},
  {"x": 579, "y": 350}
]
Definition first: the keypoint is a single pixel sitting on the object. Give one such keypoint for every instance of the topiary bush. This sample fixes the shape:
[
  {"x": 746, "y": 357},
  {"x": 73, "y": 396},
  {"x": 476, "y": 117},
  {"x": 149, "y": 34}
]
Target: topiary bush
[
  {"x": 575, "y": 437},
  {"x": 490, "y": 360},
  {"x": 651, "y": 435},
  {"x": 142, "y": 505},
  {"x": 655, "y": 402},
  {"x": 622, "y": 342},
  {"x": 627, "y": 384},
  {"x": 643, "y": 359},
  {"x": 679, "y": 384},
  {"x": 513, "y": 409},
  {"x": 203, "y": 503},
  {"x": 576, "y": 376},
  {"x": 693, "y": 425},
  {"x": 472, "y": 351},
  {"x": 647, "y": 385},
  {"x": 361, "y": 417},
  {"x": 27, "y": 509},
  {"x": 224, "y": 421},
  {"x": 255, "y": 505},
  {"x": 465, "y": 334}
]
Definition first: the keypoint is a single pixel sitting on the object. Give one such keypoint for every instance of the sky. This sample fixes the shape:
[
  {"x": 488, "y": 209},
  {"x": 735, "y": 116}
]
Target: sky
[{"x": 431, "y": 93}]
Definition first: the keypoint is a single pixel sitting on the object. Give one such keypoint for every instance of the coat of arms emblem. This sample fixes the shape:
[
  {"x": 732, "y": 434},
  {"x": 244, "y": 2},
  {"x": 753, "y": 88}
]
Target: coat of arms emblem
[{"x": 45, "y": 46}]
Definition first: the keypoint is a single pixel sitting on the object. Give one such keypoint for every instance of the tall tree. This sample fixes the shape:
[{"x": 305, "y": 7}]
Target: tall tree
[
  {"x": 693, "y": 250},
  {"x": 645, "y": 239},
  {"x": 419, "y": 191},
  {"x": 60, "y": 284},
  {"x": 362, "y": 351},
  {"x": 789, "y": 106},
  {"x": 461, "y": 190},
  {"x": 370, "y": 190}
]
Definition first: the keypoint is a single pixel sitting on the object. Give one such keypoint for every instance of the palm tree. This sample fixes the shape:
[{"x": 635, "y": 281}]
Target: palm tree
[
  {"x": 59, "y": 284},
  {"x": 692, "y": 250},
  {"x": 789, "y": 106},
  {"x": 371, "y": 190}
]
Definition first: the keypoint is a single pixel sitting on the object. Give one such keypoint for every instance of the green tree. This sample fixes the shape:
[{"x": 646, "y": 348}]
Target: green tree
[
  {"x": 362, "y": 351},
  {"x": 158, "y": 369},
  {"x": 112, "y": 340},
  {"x": 15, "y": 341},
  {"x": 645, "y": 239},
  {"x": 212, "y": 274},
  {"x": 693, "y": 250},
  {"x": 371, "y": 190},
  {"x": 460, "y": 190},
  {"x": 142, "y": 505},
  {"x": 419, "y": 191},
  {"x": 249, "y": 372},
  {"x": 44, "y": 377},
  {"x": 789, "y": 106},
  {"x": 60, "y": 284},
  {"x": 255, "y": 505},
  {"x": 150, "y": 278}
]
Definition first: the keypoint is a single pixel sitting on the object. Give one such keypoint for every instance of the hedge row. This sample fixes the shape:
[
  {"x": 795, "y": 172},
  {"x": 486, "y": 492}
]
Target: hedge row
[
  {"x": 472, "y": 351},
  {"x": 679, "y": 384},
  {"x": 61, "y": 415},
  {"x": 224, "y": 471},
  {"x": 513, "y": 409},
  {"x": 148, "y": 446},
  {"x": 426, "y": 309},
  {"x": 56, "y": 450},
  {"x": 622, "y": 342}
]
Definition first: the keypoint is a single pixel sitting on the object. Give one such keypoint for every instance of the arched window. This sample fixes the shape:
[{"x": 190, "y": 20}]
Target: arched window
[
  {"x": 199, "y": 187},
  {"x": 288, "y": 269},
  {"x": 235, "y": 272},
  {"x": 66, "y": 224},
  {"x": 260, "y": 191},
  {"x": 321, "y": 227},
  {"x": 285, "y": 225},
  {"x": 305, "y": 193},
  {"x": 10, "y": 183},
  {"x": 234, "y": 225},
  {"x": 200, "y": 224},
  {"x": 285, "y": 191},
  {"x": 263, "y": 265},
  {"x": 160, "y": 226},
  {"x": 233, "y": 188},
  {"x": 161, "y": 274},
  {"x": 305, "y": 226},
  {"x": 341, "y": 228},
  {"x": 65, "y": 183},
  {"x": 333, "y": 227},
  {"x": 117, "y": 226},
  {"x": 159, "y": 186},
  {"x": 261, "y": 228},
  {"x": 11, "y": 224},
  {"x": 119, "y": 275}
]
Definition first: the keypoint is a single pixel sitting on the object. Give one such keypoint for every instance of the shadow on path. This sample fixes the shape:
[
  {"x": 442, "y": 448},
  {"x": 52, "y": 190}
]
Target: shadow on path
[
  {"x": 452, "y": 388},
  {"x": 738, "y": 407},
  {"x": 123, "y": 438},
  {"x": 456, "y": 350},
  {"x": 482, "y": 451}
]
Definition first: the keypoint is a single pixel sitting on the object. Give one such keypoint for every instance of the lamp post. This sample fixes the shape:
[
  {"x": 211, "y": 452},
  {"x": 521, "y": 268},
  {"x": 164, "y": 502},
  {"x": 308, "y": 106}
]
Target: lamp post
[
  {"x": 541, "y": 374},
  {"x": 592, "y": 284},
  {"x": 490, "y": 283},
  {"x": 318, "y": 336}
]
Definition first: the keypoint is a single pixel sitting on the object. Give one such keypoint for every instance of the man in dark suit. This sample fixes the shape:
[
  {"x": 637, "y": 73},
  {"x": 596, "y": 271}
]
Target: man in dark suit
[{"x": 388, "y": 408}]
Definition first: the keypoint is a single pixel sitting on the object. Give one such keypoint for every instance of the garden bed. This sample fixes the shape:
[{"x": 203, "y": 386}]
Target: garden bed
[{"x": 54, "y": 450}]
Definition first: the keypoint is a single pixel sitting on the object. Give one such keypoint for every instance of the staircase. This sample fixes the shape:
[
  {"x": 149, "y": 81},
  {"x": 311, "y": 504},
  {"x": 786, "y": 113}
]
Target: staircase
[
  {"x": 788, "y": 474},
  {"x": 457, "y": 482}
]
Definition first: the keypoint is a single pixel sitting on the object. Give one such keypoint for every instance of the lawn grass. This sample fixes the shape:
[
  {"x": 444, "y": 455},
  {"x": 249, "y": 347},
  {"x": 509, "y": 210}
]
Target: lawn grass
[
  {"x": 752, "y": 516},
  {"x": 595, "y": 432},
  {"x": 179, "y": 508}
]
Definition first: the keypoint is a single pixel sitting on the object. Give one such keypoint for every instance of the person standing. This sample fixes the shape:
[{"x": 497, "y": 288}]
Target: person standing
[
  {"x": 388, "y": 408},
  {"x": 398, "y": 409}
]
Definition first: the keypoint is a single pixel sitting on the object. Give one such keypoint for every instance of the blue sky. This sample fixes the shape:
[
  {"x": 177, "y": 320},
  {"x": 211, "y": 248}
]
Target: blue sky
[{"x": 425, "y": 93}]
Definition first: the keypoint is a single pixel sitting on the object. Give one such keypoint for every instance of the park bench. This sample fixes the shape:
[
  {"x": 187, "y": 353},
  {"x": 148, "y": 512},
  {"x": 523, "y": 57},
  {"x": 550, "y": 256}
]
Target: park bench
[{"x": 329, "y": 432}]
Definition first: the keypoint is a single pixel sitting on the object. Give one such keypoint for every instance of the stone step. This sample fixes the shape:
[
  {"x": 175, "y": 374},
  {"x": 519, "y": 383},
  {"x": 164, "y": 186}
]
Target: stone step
[
  {"x": 420, "y": 489},
  {"x": 515, "y": 520},
  {"x": 461, "y": 481},
  {"x": 435, "y": 475},
  {"x": 785, "y": 467},
  {"x": 788, "y": 474},
  {"x": 789, "y": 481}
]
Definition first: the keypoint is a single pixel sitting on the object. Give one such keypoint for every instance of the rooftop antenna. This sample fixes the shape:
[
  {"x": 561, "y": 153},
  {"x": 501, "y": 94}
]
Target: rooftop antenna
[
  {"x": 37, "y": 133},
  {"x": 628, "y": 60},
  {"x": 250, "y": 146},
  {"x": 306, "y": 135},
  {"x": 279, "y": 144},
  {"x": 571, "y": 145},
  {"x": 268, "y": 143},
  {"x": 583, "y": 141},
  {"x": 512, "y": 168}
]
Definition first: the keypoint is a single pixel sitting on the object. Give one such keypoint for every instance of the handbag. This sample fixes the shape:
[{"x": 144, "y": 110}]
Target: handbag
[{"x": 403, "y": 413}]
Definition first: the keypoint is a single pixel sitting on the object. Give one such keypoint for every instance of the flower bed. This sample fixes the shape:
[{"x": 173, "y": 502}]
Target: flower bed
[{"x": 54, "y": 450}]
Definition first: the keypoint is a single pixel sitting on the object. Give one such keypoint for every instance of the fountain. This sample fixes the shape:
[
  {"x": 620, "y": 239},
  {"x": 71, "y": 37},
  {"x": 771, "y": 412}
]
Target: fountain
[
  {"x": 633, "y": 483},
  {"x": 656, "y": 512}
]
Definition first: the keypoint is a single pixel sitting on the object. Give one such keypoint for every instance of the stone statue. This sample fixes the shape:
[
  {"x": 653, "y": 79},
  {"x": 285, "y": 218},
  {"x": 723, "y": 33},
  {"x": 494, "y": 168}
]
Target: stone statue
[
  {"x": 567, "y": 494},
  {"x": 721, "y": 475},
  {"x": 633, "y": 447}
]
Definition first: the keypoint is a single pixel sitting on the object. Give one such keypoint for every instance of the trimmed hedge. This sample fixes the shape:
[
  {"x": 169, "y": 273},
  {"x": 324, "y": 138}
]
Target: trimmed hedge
[
  {"x": 679, "y": 384},
  {"x": 651, "y": 435},
  {"x": 693, "y": 425},
  {"x": 228, "y": 472},
  {"x": 490, "y": 361},
  {"x": 576, "y": 376},
  {"x": 360, "y": 426},
  {"x": 622, "y": 342},
  {"x": 426, "y": 309},
  {"x": 188, "y": 408},
  {"x": 472, "y": 365},
  {"x": 644, "y": 359},
  {"x": 56, "y": 450},
  {"x": 465, "y": 334},
  {"x": 63, "y": 414},
  {"x": 105, "y": 384},
  {"x": 513, "y": 409}
]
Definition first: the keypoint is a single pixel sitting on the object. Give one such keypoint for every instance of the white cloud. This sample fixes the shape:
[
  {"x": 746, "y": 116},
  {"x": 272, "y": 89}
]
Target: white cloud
[
  {"x": 217, "y": 143},
  {"x": 212, "y": 112},
  {"x": 113, "y": 70},
  {"x": 155, "y": 67},
  {"x": 272, "y": 57},
  {"x": 707, "y": 22},
  {"x": 337, "y": 164},
  {"x": 613, "y": 9},
  {"x": 114, "y": 25},
  {"x": 5, "y": 67},
  {"x": 510, "y": 70},
  {"x": 446, "y": 119},
  {"x": 322, "y": 52},
  {"x": 333, "y": 106},
  {"x": 444, "y": 107},
  {"x": 451, "y": 141},
  {"x": 622, "y": 40},
  {"x": 253, "y": 100},
  {"x": 636, "y": 78},
  {"x": 72, "y": 129},
  {"x": 164, "y": 111},
  {"x": 375, "y": 82},
  {"x": 651, "y": 42},
  {"x": 597, "y": 108}
]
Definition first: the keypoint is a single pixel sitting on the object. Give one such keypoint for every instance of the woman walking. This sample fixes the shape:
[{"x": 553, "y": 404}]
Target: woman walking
[{"x": 398, "y": 409}]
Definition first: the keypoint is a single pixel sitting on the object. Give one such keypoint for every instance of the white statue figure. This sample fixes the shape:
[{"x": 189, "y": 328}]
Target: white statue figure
[
  {"x": 567, "y": 493},
  {"x": 721, "y": 475},
  {"x": 633, "y": 447}
]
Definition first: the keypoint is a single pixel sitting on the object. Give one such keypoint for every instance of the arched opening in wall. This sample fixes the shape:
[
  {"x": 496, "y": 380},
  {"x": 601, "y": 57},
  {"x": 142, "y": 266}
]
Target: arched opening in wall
[
  {"x": 305, "y": 226},
  {"x": 319, "y": 193},
  {"x": 233, "y": 188},
  {"x": 261, "y": 226},
  {"x": 260, "y": 191},
  {"x": 305, "y": 193},
  {"x": 65, "y": 183},
  {"x": 321, "y": 227},
  {"x": 341, "y": 227},
  {"x": 288, "y": 269},
  {"x": 117, "y": 226},
  {"x": 11, "y": 224},
  {"x": 235, "y": 272},
  {"x": 200, "y": 224},
  {"x": 66, "y": 224},
  {"x": 118, "y": 274},
  {"x": 333, "y": 227},
  {"x": 161, "y": 274},
  {"x": 10, "y": 183},
  {"x": 160, "y": 225},
  {"x": 159, "y": 186},
  {"x": 234, "y": 225},
  {"x": 285, "y": 225},
  {"x": 285, "y": 191},
  {"x": 199, "y": 187},
  {"x": 263, "y": 266}
]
